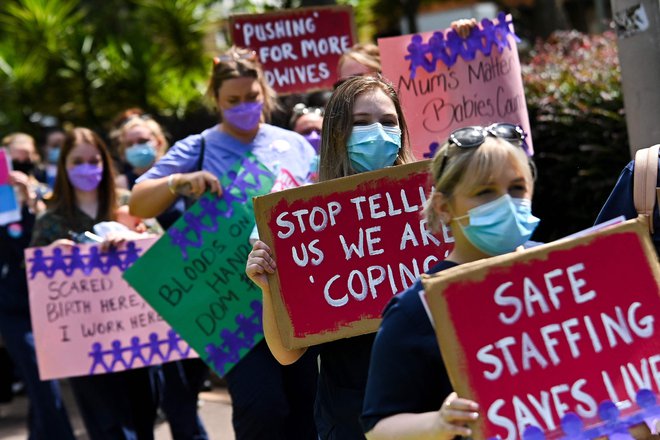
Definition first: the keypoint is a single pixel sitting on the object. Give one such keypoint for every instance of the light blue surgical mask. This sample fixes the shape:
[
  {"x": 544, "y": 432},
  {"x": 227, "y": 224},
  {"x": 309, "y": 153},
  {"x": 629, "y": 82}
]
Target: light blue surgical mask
[
  {"x": 500, "y": 226},
  {"x": 53, "y": 154},
  {"x": 141, "y": 155},
  {"x": 372, "y": 147}
]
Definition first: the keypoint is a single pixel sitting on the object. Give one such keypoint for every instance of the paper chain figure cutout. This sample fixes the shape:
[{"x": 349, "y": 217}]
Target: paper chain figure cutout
[
  {"x": 446, "y": 48},
  {"x": 228, "y": 352},
  {"x": 572, "y": 425},
  {"x": 95, "y": 259},
  {"x": 239, "y": 190},
  {"x": 147, "y": 353}
]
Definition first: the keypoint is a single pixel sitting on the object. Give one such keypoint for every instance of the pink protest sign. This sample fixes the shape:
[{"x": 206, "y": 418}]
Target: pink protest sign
[
  {"x": 10, "y": 211},
  {"x": 87, "y": 320},
  {"x": 446, "y": 82},
  {"x": 4, "y": 167}
]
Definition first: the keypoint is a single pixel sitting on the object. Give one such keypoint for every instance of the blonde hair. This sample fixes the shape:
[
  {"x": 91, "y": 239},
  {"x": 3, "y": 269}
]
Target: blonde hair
[
  {"x": 366, "y": 54},
  {"x": 154, "y": 128},
  {"x": 469, "y": 167},
  {"x": 239, "y": 62},
  {"x": 22, "y": 138}
]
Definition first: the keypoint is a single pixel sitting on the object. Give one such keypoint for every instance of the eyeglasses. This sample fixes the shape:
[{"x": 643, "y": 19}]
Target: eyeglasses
[
  {"x": 301, "y": 109},
  {"x": 475, "y": 136},
  {"x": 234, "y": 56}
]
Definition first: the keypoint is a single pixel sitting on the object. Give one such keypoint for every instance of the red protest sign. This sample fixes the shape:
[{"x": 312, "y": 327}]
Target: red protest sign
[
  {"x": 559, "y": 339},
  {"x": 343, "y": 248},
  {"x": 446, "y": 82},
  {"x": 298, "y": 48}
]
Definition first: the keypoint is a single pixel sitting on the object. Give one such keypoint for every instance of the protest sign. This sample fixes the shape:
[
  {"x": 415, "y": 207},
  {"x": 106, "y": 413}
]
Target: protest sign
[
  {"x": 194, "y": 276},
  {"x": 87, "y": 320},
  {"x": 558, "y": 341},
  {"x": 10, "y": 211},
  {"x": 298, "y": 48},
  {"x": 446, "y": 82},
  {"x": 343, "y": 248}
]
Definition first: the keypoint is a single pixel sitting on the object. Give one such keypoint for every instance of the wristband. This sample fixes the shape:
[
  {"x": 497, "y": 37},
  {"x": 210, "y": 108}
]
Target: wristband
[{"x": 170, "y": 184}]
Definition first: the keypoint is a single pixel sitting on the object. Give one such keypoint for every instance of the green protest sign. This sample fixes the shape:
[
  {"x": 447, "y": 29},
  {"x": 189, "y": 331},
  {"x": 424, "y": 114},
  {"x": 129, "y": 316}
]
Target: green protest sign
[{"x": 194, "y": 276}]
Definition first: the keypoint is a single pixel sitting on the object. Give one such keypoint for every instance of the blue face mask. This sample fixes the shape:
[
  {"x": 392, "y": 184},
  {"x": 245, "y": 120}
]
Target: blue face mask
[
  {"x": 53, "y": 154},
  {"x": 500, "y": 226},
  {"x": 372, "y": 147},
  {"x": 141, "y": 155}
]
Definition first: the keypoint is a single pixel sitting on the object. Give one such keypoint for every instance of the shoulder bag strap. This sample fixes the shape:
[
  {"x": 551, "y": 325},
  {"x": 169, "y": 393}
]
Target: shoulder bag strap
[{"x": 645, "y": 181}]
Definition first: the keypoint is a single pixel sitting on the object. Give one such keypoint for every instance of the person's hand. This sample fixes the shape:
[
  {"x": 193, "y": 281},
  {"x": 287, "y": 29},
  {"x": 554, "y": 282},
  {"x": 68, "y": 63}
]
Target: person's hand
[
  {"x": 22, "y": 183},
  {"x": 259, "y": 264},
  {"x": 453, "y": 416},
  {"x": 63, "y": 242},
  {"x": 115, "y": 239},
  {"x": 194, "y": 184},
  {"x": 464, "y": 26}
]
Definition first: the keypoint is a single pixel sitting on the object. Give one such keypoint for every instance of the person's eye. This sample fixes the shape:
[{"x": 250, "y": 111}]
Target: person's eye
[
  {"x": 484, "y": 192},
  {"x": 390, "y": 122},
  {"x": 360, "y": 122},
  {"x": 517, "y": 189}
]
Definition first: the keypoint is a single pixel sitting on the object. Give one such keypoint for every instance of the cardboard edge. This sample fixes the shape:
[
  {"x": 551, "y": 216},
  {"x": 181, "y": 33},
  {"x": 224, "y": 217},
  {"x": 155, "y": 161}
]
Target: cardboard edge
[
  {"x": 263, "y": 206},
  {"x": 434, "y": 286}
]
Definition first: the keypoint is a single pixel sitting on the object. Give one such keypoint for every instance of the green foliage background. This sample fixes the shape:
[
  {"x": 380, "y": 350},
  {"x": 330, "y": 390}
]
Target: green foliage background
[
  {"x": 573, "y": 91},
  {"x": 83, "y": 61}
]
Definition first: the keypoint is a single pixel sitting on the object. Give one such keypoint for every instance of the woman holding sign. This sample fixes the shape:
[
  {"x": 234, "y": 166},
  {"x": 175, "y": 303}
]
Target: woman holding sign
[
  {"x": 363, "y": 130},
  {"x": 483, "y": 190},
  {"x": 269, "y": 401},
  {"x": 119, "y": 405}
]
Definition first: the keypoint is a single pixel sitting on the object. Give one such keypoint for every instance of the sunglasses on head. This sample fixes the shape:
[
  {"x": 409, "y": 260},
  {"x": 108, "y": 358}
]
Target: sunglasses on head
[
  {"x": 475, "y": 136},
  {"x": 233, "y": 56}
]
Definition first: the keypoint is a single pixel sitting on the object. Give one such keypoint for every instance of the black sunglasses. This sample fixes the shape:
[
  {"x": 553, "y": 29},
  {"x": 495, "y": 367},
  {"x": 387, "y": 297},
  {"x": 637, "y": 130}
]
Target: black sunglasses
[{"x": 475, "y": 136}]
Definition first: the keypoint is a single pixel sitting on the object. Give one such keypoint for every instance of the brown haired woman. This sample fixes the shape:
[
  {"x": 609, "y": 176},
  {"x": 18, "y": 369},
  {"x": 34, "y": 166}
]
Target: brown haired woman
[
  {"x": 269, "y": 401},
  {"x": 363, "y": 130},
  {"x": 118, "y": 405}
]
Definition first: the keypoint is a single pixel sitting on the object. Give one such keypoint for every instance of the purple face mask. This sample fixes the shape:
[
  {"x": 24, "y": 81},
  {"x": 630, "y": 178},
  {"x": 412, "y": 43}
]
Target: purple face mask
[
  {"x": 244, "y": 116},
  {"x": 314, "y": 138},
  {"x": 85, "y": 177}
]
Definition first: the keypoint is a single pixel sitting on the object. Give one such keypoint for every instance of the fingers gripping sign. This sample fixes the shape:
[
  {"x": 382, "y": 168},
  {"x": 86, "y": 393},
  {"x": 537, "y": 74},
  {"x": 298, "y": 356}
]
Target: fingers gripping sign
[
  {"x": 194, "y": 184},
  {"x": 454, "y": 415},
  {"x": 259, "y": 264}
]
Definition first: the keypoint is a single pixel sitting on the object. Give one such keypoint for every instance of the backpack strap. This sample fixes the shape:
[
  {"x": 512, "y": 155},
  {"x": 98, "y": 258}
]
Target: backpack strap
[{"x": 645, "y": 181}]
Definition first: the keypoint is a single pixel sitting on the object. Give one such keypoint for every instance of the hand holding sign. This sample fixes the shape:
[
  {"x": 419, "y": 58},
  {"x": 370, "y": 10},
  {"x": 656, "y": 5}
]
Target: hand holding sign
[{"x": 260, "y": 263}]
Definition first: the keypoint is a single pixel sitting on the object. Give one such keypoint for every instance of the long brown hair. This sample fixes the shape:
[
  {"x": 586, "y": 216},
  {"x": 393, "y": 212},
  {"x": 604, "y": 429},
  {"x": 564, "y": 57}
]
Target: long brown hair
[
  {"x": 64, "y": 196},
  {"x": 238, "y": 62},
  {"x": 338, "y": 126}
]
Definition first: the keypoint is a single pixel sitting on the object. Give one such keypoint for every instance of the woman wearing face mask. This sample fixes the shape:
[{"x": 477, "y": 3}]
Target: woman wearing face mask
[
  {"x": 141, "y": 144},
  {"x": 48, "y": 416},
  {"x": 307, "y": 121},
  {"x": 51, "y": 149},
  {"x": 24, "y": 156},
  {"x": 117, "y": 405},
  {"x": 269, "y": 401},
  {"x": 364, "y": 130},
  {"x": 483, "y": 190}
]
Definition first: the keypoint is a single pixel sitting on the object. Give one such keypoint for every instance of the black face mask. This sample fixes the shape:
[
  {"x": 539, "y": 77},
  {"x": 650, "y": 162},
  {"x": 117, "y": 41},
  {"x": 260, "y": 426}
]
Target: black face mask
[{"x": 23, "y": 167}]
